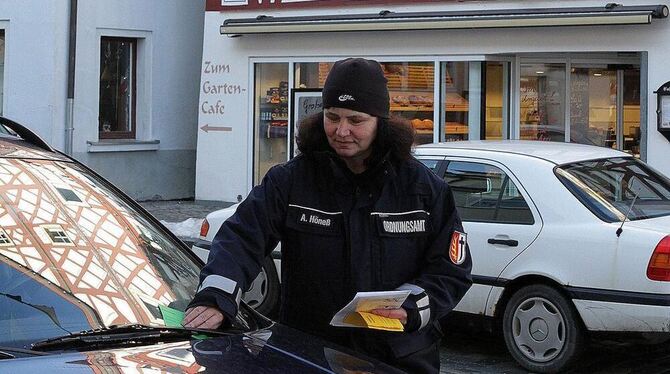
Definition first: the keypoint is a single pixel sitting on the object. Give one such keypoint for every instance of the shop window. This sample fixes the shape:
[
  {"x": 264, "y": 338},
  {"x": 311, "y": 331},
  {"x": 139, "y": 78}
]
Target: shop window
[
  {"x": 411, "y": 92},
  {"x": 456, "y": 93},
  {"x": 495, "y": 100},
  {"x": 484, "y": 193},
  {"x": 118, "y": 62},
  {"x": 605, "y": 106},
  {"x": 631, "y": 111},
  {"x": 593, "y": 107},
  {"x": 542, "y": 109},
  {"x": 410, "y": 87},
  {"x": 271, "y": 117}
]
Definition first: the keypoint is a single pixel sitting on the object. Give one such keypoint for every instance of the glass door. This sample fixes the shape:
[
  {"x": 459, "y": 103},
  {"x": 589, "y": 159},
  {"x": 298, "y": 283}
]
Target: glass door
[
  {"x": 605, "y": 106},
  {"x": 475, "y": 100},
  {"x": 270, "y": 117},
  {"x": 542, "y": 98}
]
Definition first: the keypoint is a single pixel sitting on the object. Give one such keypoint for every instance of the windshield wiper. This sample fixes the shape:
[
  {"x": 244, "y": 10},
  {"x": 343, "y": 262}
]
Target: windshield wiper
[
  {"x": 125, "y": 334},
  {"x": 9, "y": 352}
]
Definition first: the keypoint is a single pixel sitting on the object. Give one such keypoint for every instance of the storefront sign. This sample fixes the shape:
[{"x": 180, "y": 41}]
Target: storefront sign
[
  {"x": 214, "y": 90},
  {"x": 304, "y": 103},
  {"x": 225, "y": 5}
]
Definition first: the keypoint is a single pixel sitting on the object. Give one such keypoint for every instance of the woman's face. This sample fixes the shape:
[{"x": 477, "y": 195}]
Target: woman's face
[{"x": 350, "y": 133}]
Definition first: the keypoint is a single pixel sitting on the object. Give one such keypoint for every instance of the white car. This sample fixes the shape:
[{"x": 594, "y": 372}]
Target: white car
[
  {"x": 553, "y": 260},
  {"x": 263, "y": 295}
]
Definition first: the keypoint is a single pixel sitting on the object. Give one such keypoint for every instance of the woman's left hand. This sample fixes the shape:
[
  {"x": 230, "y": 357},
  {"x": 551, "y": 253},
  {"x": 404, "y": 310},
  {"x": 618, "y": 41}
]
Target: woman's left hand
[{"x": 399, "y": 313}]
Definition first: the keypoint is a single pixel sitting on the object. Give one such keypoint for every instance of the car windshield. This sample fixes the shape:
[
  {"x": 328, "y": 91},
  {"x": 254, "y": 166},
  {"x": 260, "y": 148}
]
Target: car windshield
[
  {"x": 74, "y": 256},
  {"x": 608, "y": 187}
]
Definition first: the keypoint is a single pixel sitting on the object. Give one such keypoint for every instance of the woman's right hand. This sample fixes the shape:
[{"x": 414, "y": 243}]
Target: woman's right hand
[{"x": 203, "y": 317}]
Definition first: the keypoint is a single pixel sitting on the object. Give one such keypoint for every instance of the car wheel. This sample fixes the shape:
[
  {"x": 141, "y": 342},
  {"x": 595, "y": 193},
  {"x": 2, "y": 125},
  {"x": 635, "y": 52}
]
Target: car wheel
[
  {"x": 542, "y": 329},
  {"x": 263, "y": 295}
]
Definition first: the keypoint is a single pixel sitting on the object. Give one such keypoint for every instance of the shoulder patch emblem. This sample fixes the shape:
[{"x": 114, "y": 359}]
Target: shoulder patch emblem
[{"x": 457, "y": 250}]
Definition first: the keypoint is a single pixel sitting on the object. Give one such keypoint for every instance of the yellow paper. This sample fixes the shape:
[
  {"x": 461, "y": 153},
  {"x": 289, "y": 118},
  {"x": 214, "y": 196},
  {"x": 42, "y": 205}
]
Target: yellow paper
[{"x": 373, "y": 321}]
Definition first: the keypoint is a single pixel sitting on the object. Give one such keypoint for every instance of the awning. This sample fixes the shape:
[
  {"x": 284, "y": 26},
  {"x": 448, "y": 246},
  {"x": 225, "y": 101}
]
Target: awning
[{"x": 611, "y": 14}]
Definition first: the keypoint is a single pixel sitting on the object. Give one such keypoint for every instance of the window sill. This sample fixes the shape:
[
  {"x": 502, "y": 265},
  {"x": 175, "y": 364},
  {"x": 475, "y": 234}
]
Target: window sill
[{"x": 114, "y": 145}]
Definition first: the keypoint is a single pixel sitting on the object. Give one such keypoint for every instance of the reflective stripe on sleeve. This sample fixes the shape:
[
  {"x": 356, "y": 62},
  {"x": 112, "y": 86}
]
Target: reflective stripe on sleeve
[
  {"x": 224, "y": 284},
  {"x": 425, "y": 317},
  {"x": 414, "y": 289}
]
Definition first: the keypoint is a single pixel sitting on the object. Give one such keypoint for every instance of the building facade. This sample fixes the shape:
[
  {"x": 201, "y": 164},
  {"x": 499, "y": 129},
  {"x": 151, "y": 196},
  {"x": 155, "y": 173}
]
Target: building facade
[
  {"x": 112, "y": 83},
  {"x": 569, "y": 71}
]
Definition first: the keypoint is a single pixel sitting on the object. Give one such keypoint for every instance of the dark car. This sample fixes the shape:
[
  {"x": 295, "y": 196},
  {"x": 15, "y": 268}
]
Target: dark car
[{"x": 90, "y": 282}]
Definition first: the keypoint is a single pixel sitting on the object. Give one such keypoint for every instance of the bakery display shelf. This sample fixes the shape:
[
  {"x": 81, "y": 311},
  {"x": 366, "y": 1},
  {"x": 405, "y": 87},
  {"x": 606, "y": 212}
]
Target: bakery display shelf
[{"x": 402, "y": 108}]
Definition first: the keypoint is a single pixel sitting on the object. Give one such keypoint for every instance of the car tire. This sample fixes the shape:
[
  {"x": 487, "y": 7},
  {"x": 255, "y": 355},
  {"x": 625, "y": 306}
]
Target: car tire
[
  {"x": 542, "y": 329},
  {"x": 263, "y": 295}
]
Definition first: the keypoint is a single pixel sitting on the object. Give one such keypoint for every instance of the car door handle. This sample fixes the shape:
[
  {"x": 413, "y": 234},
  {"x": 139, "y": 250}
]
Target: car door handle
[{"x": 508, "y": 242}]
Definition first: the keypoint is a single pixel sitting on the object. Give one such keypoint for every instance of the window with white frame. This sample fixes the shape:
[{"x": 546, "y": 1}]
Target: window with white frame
[{"x": 118, "y": 66}]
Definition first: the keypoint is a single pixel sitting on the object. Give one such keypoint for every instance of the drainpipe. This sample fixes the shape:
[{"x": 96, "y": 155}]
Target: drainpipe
[{"x": 69, "y": 107}]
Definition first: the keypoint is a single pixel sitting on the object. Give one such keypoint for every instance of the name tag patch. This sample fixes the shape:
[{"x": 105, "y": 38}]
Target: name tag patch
[
  {"x": 404, "y": 227},
  {"x": 457, "y": 247},
  {"x": 311, "y": 220},
  {"x": 315, "y": 220},
  {"x": 402, "y": 224}
]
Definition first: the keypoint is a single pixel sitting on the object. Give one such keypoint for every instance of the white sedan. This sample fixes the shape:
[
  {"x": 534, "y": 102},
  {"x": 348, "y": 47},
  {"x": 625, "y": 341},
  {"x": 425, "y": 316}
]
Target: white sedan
[
  {"x": 553, "y": 259},
  {"x": 263, "y": 294}
]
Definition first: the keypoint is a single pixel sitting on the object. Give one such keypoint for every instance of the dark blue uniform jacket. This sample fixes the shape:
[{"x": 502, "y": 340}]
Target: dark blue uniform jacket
[{"x": 389, "y": 228}]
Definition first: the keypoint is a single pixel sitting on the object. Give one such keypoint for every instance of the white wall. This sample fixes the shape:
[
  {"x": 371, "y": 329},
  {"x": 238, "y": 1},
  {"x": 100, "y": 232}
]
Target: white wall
[
  {"x": 225, "y": 159},
  {"x": 35, "y": 86},
  {"x": 169, "y": 54}
]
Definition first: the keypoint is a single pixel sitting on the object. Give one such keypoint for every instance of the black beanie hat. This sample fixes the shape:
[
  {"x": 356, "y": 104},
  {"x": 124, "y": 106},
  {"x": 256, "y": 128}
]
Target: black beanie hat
[{"x": 357, "y": 84}]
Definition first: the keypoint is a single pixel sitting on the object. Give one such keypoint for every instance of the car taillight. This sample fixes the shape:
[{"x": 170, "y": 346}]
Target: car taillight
[
  {"x": 204, "y": 229},
  {"x": 659, "y": 264}
]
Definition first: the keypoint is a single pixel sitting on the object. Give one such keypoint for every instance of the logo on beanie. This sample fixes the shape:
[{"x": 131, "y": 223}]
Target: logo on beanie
[{"x": 346, "y": 98}]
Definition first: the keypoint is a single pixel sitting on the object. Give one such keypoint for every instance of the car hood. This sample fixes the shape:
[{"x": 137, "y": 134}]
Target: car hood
[
  {"x": 657, "y": 224},
  {"x": 278, "y": 349}
]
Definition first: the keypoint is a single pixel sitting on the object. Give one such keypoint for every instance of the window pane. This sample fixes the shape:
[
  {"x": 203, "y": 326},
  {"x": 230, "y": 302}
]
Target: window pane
[
  {"x": 410, "y": 88},
  {"x": 456, "y": 80},
  {"x": 484, "y": 193},
  {"x": 631, "y": 111},
  {"x": 593, "y": 111},
  {"x": 542, "y": 112},
  {"x": 431, "y": 164},
  {"x": 271, "y": 117},
  {"x": 608, "y": 188},
  {"x": 495, "y": 101},
  {"x": 116, "y": 109}
]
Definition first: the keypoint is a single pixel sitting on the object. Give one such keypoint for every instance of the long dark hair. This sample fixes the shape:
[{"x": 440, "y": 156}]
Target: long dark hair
[{"x": 395, "y": 136}]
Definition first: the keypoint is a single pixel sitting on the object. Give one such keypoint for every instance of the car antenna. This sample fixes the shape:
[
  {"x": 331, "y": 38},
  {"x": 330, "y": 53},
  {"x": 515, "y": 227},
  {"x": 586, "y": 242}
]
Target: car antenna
[{"x": 630, "y": 208}]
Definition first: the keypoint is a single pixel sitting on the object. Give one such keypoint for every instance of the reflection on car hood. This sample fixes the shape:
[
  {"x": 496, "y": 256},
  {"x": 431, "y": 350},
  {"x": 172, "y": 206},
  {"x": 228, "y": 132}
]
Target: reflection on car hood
[{"x": 278, "y": 349}]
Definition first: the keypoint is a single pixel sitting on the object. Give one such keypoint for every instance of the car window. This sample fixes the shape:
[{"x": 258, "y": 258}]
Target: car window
[
  {"x": 608, "y": 187},
  {"x": 484, "y": 193},
  {"x": 430, "y": 164}
]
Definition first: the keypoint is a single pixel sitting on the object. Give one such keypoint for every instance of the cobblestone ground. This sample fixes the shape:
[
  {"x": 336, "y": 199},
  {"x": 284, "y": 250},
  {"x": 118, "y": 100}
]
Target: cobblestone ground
[{"x": 463, "y": 353}]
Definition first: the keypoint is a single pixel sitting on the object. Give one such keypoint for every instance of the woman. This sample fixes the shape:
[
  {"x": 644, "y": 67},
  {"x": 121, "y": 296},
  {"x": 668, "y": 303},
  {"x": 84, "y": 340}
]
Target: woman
[{"x": 354, "y": 212}]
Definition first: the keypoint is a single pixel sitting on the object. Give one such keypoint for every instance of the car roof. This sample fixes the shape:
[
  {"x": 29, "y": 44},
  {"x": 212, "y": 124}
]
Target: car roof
[
  {"x": 555, "y": 152},
  {"x": 15, "y": 147}
]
